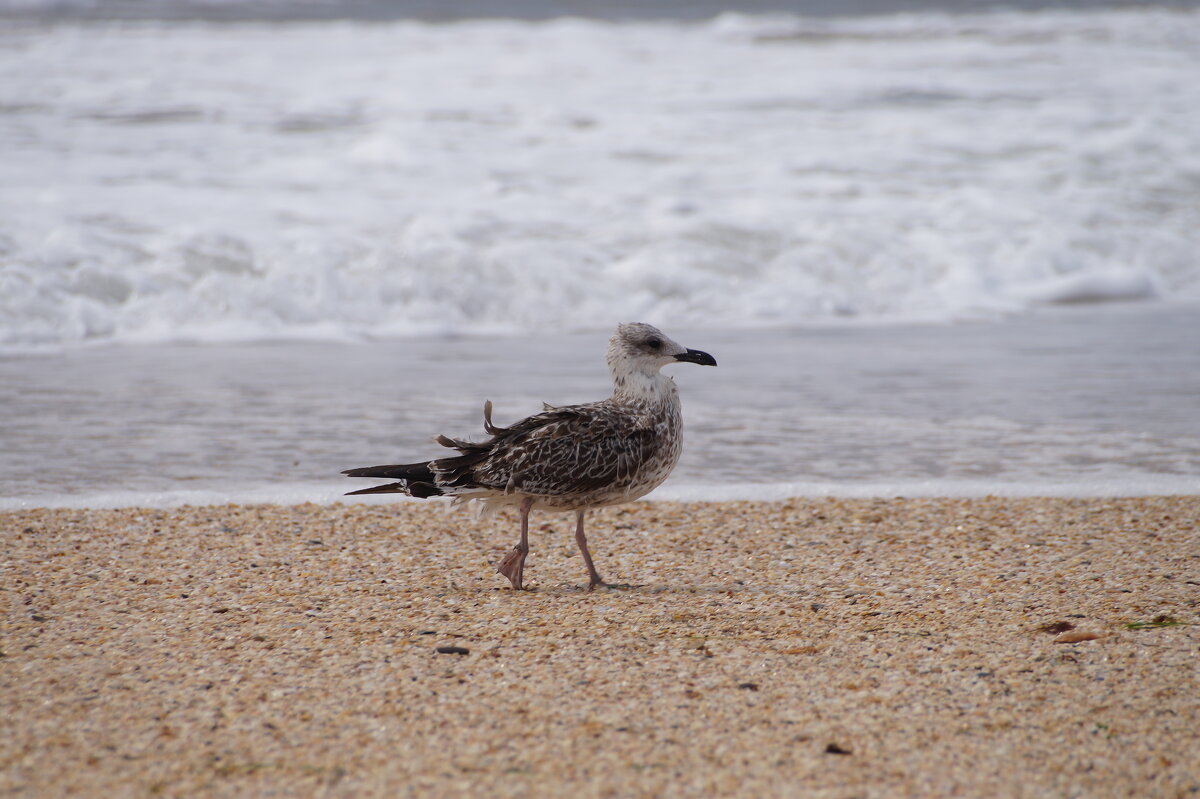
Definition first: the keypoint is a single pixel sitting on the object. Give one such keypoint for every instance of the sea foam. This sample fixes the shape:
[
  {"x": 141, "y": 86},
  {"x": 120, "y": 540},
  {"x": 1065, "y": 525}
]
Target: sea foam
[{"x": 347, "y": 180}]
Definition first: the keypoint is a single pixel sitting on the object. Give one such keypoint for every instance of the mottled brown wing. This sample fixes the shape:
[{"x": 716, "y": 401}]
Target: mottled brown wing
[{"x": 575, "y": 449}]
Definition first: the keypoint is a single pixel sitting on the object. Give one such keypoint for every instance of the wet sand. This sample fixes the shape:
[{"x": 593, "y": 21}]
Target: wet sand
[{"x": 842, "y": 648}]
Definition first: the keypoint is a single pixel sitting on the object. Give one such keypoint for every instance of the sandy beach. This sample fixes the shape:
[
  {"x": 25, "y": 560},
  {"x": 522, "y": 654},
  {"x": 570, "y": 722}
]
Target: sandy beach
[
  {"x": 954, "y": 647},
  {"x": 245, "y": 246}
]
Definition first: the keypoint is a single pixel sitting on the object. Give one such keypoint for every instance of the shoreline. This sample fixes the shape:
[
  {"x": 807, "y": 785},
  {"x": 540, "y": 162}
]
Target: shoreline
[
  {"x": 678, "y": 493},
  {"x": 830, "y": 647}
]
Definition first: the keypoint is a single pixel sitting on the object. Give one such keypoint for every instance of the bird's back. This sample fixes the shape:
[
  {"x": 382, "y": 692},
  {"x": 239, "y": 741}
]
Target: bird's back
[{"x": 569, "y": 457}]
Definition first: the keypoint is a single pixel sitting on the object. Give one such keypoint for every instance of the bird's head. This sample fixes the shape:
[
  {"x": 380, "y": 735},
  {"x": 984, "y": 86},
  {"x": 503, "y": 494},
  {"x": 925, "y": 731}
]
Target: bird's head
[{"x": 641, "y": 349}]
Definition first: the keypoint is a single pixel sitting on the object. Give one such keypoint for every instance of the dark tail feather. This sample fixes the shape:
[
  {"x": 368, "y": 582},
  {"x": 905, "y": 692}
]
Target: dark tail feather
[
  {"x": 418, "y": 490},
  {"x": 390, "y": 488},
  {"x": 401, "y": 471},
  {"x": 416, "y": 480}
]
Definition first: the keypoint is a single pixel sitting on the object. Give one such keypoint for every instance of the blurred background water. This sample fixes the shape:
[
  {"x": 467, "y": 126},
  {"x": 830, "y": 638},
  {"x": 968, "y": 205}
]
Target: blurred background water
[
  {"x": 944, "y": 247},
  {"x": 1065, "y": 403},
  {"x": 454, "y": 10}
]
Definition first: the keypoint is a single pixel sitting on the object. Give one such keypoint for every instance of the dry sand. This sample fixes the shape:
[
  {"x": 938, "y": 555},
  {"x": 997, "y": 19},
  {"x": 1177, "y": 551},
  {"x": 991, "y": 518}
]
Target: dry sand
[{"x": 807, "y": 648}]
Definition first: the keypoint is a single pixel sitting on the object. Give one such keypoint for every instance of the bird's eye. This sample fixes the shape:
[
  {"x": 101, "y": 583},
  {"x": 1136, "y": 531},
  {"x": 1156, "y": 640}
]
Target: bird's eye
[{"x": 654, "y": 343}]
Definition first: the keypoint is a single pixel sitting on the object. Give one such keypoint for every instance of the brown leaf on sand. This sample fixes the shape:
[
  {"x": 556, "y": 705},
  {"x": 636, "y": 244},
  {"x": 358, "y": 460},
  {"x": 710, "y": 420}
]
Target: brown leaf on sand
[{"x": 1075, "y": 636}]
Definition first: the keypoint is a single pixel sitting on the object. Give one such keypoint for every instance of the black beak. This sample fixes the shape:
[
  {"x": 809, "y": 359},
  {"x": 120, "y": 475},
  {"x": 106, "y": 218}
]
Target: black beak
[{"x": 696, "y": 356}]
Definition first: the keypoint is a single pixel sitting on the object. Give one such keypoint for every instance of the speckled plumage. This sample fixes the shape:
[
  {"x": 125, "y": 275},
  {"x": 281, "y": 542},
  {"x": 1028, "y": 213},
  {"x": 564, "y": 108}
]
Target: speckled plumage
[
  {"x": 577, "y": 456},
  {"x": 568, "y": 458}
]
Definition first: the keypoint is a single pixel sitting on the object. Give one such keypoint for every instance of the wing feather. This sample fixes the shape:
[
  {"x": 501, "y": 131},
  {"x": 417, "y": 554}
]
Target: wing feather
[{"x": 567, "y": 450}]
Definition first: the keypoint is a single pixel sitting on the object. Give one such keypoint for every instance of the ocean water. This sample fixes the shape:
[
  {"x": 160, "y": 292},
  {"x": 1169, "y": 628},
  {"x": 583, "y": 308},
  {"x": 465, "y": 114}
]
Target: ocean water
[
  {"x": 1078, "y": 402},
  {"x": 457, "y": 10},
  {"x": 245, "y": 246},
  {"x": 349, "y": 180}
]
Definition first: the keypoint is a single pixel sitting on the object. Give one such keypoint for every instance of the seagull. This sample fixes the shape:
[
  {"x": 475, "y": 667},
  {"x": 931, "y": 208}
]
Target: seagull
[{"x": 567, "y": 458}]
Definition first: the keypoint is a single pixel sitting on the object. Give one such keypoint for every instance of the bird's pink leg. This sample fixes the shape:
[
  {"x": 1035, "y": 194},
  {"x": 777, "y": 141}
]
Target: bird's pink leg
[
  {"x": 512, "y": 565},
  {"x": 581, "y": 539}
]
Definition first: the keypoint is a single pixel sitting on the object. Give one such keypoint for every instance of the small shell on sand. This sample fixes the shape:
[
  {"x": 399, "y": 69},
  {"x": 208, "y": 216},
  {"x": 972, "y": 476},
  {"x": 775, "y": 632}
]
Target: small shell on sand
[{"x": 1075, "y": 636}]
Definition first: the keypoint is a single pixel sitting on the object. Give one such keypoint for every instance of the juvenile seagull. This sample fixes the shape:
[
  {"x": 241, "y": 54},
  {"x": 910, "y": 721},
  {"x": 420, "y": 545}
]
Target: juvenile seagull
[{"x": 570, "y": 458}]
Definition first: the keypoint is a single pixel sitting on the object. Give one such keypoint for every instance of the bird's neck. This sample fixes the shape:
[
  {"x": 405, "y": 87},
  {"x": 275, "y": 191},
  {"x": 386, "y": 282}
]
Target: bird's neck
[{"x": 648, "y": 387}]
